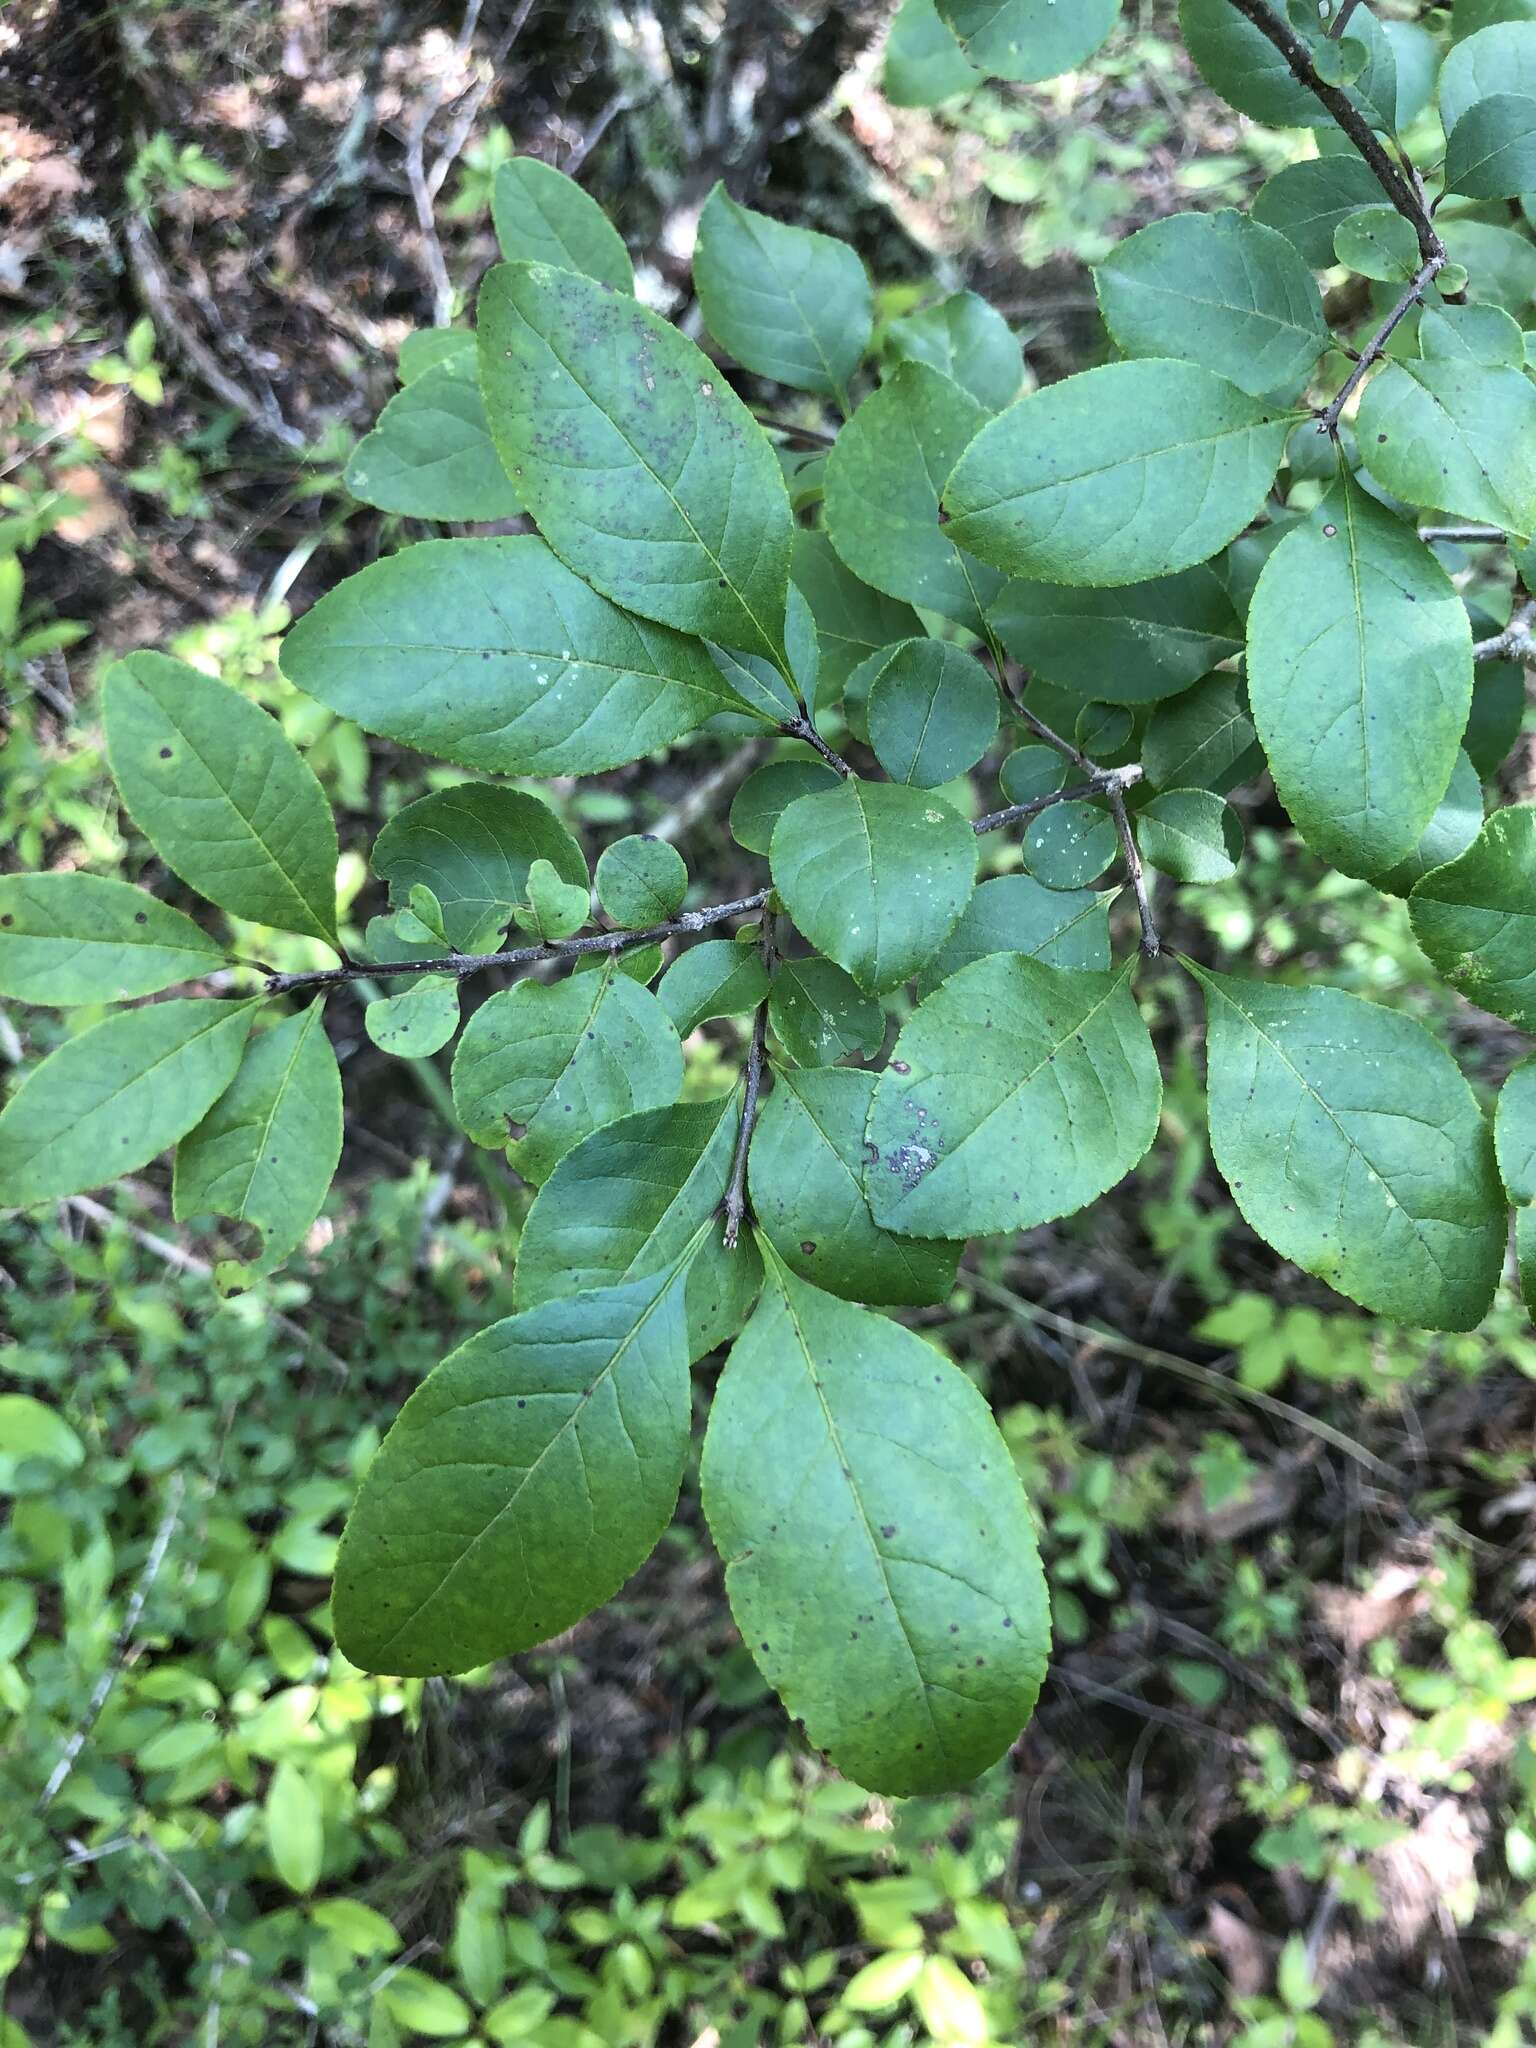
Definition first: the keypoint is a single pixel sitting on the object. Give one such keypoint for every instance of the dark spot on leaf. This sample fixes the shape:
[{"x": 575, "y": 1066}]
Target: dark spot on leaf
[
  {"x": 139, "y": 917},
  {"x": 808, "y": 1245},
  {"x": 887, "y": 1529},
  {"x": 165, "y": 753}
]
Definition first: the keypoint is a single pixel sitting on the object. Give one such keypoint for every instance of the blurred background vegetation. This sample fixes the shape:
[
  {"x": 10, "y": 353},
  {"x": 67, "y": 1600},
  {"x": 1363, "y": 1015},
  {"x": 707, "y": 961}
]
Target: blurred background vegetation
[{"x": 1281, "y": 1790}]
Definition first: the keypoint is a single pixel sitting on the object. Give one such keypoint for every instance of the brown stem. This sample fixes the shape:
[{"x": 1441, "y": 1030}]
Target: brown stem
[
  {"x": 803, "y": 728},
  {"x": 1108, "y": 782},
  {"x": 1398, "y": 188},
  {"x": 461, "y": 964},
  {"x": 1375, "y": 348},
  {"x": 1151, "y": 942},
  {"x": 736, "y": 1193}
]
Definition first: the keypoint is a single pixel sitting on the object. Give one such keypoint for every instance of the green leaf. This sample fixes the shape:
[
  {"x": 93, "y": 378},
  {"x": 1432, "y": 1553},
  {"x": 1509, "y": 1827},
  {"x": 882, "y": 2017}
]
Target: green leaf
[
  {"x": 967, "y": 341},
  {"x": 883, "y": 483},
  {"x": 717, "y": 979},
  {"x": 67, "y": 939},
  {"x": 1192, "y": 835},
  {"x": 1307, "y": 202},
  {"x": 430, "y": 346},
  {"x": 1378, "y": 243},
  {"x": 105, "y": 1103},
  {"x": 1352, "y": 1145},
  {"x": 29, "y": 1428},
  {"x": 1029, "y": 40},
  {"x": 1070, "y": 845},
  {"x": 1476, "y": 917},
  {"x": 1217, "y": 289},
  {"x": 1116, "y": 475},
  {"x": 430, "y": 455},
  {"x": 421, "y": 1012},
  {"x": 786, "y": 302},
  {"x": 932, "y": 713},
  {"x": 1491, "y": 152},
  {"x": 1017, "y": 914},
  {"x": 852, "y": 619},
  {"x": 473, "y": 847},
  {"x": 880, "y": 1558},
  {"x": 819, "y": 1014},
  {"x": 1134, "y": 645},
  {"x": 875, "y": 875},
  {"x": 1499, "y": 59},
  {"x": 295, "y": 1830},
  {"x": 641, "y": 880},
  {"x": 542, "y": 216},
  {"x": 265, "y": 1153},
  {"x": 1470, "y": 16},
  {"x": 807, "y": 1164},
  {"x": 1031, "y": 772},
  {"x": 768, "y": 792},
  {"x": 1360, "y": 679},
  {"x": 556, "y": 909},
  {"x": 523, "y": 1482},
  {"x": 424, "y": 2006},
  {"x": 1017, "y": 1093},
  {"x": 542, "y": 1065},
  {"x": 1203, "y": 739},
  {"x": 644, "y": 470},
  {"x": 492, "y": 654},
  {"x": 1501, "y": 263},
  {"x": 628, "y": 1201},
  {"x": 1456, "y": 823},
  {"x": 221, "y": 794},
  {"x": 1456, "y": 437},
  {"x": 1238, "y": 61},
  {"x": 923, "y": 63},
  {"x": 1476, "y": 334},
  {"x": 1514, "y": 1134}
]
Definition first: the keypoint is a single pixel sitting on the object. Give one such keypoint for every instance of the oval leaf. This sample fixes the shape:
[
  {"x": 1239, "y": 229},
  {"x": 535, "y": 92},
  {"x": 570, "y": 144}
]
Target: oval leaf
[
  {"x": 1028, "y": 40},
  {"x": 1216, "y": 289},
  {"x": 1359, "y": 679},
  {"x": 644, "y": 470},
  {"x": 1476, "y": 917},
  {"x": 1017, "y": 1093},
  {"x": 786, "y": 302},
  {"x": 880, "y": 1558},
  {"x": 540, "y": 1067},
  {"x": 1352, "y": 1144},
  {"x": 1134, "y": 645},
  {"x": 523, "y": 1482},
  {"x": 967, "y": 341},
  {"x": 221, "y": 794},
  {"x": 542, "y": 216},
  {"x": 107, "y": 1102},
  {"x": 1116, "y": 475},
  {"x": 473, "y": 847},
  {"x": 883, "y": 483},
  {"x": 492, "y": 654},
  {"x": 265, "y": 1153},
  {"x": 1454, "y": 436},
  {"x": 875, "y": 875},
  {"x": 430, "y": 455},
  {"x": 67, "y": 939}
]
